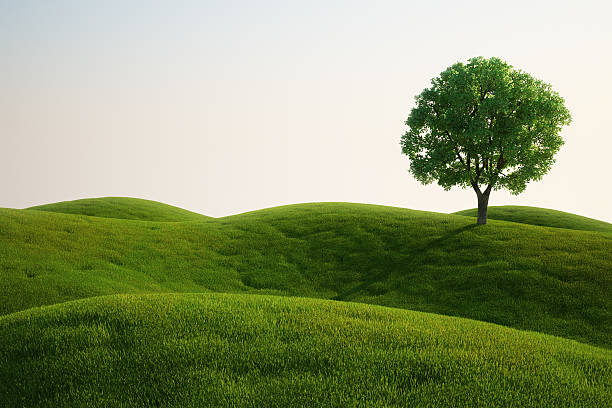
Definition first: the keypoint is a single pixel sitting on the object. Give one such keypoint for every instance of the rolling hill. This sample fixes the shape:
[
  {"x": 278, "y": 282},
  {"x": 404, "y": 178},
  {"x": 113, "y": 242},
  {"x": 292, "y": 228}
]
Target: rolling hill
[
  {"x": 109, "y": 302},
  {"x": 201, "y": 350},
  {"x": 123, "y": 208},
  {"x": 541, "y": 216},
  {"x": 555, "y": 281}
]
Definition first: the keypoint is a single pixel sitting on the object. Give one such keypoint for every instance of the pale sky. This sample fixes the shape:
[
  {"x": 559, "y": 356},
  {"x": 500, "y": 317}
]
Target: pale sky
[{"x": 222, "y": 107}]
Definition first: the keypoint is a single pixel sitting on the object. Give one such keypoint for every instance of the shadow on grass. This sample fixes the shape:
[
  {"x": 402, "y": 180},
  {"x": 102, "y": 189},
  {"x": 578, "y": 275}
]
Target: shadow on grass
[{"x": 418, "y": 254}]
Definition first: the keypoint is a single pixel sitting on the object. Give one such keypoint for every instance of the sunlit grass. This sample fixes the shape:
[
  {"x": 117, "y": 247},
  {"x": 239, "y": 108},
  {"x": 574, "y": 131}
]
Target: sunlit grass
[{"x": 182, "y": 350}]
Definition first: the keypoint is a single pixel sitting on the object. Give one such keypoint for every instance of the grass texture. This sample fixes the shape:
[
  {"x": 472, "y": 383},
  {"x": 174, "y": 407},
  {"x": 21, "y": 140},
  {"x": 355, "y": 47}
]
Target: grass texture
[
  {"x": 200, "y": 350},
  {"x": 541, "y": 216},
  {"x": 555, "y": 281}
]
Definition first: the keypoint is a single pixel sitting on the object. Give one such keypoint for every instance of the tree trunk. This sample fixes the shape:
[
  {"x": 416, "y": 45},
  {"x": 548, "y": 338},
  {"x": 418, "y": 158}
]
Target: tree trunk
[{"x": 483, "y": 204}]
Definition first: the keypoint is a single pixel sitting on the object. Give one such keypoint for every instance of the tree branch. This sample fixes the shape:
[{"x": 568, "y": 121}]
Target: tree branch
[
  {"x": 455, "y": 146},
  {"x": 476, "y": 188}
]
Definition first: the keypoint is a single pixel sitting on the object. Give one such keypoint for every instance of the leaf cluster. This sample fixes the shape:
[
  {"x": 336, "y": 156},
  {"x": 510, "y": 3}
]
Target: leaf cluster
[{"x": 484, "y": 123}]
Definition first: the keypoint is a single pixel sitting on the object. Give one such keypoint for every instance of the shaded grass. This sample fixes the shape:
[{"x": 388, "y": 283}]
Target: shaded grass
[
  {"x": 545, "y": 279},
  {"x": 122, "y": 207},
  {"x": 541, "y": 216},
  {"x": 181, "y": 350}
]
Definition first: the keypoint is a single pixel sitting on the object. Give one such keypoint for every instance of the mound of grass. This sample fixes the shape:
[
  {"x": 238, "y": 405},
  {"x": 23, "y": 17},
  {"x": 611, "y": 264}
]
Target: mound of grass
[
  {"x": 541, "y": 216},
  {"x": 555, "y": 281},
  {"x": 184, "y": 350},
  {"x": 122, "y": 207}
]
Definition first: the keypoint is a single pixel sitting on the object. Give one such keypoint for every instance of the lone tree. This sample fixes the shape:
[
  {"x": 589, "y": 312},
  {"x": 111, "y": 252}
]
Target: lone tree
[{"x": 486, "y": 125}]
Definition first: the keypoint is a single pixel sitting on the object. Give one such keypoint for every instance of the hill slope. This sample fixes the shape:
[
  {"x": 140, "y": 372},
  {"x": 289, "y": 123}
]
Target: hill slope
[
  {"x": 123, "y": 208},
  {"x": 541, "y": 216},
  {"x": 183, "y": 350},
  {"x": 528, "y": 277}
]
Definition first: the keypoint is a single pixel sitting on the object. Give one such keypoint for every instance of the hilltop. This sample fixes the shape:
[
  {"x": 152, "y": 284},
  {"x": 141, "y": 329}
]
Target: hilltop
[
  {"x": 541, "y": 216},
  {"x": 123, "y": 208}
]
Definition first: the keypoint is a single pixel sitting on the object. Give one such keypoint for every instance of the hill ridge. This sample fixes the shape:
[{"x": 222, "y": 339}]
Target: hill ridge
[
  {"x": 543, "y": 217},
  {"x": 529, "y": 215},
  {"x": 122, "y": 208}
]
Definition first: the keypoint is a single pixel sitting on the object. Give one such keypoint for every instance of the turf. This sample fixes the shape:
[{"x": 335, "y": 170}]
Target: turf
[
  {"x": 542, "y": 217},
  {"x": 122, "y": 207},
  {"x": 184, "y": 350},
  {"x": 555, "y": 281}
]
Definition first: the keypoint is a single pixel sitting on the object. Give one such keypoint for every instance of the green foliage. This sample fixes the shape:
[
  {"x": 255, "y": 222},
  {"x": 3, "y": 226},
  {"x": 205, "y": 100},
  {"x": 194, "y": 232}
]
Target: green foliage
[
  {"x": 201, "y": 350},
  {"x": 484, "y": 123},
  {"x": 542, "y": 216},
  {"x": 122, "y": 207},
  {"x": 528, "y": 277}
]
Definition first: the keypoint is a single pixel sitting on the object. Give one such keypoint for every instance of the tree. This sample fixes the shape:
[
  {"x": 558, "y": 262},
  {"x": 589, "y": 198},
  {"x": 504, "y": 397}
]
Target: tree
[{"x": 484, "y": 125}]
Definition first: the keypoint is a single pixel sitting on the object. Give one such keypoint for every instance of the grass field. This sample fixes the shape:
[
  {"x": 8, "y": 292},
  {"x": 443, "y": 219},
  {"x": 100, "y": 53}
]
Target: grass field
[
  {"x": 554, "y": 279},
  {"x": 183, "y": 350},
  {"x": 528, "y": 277}
]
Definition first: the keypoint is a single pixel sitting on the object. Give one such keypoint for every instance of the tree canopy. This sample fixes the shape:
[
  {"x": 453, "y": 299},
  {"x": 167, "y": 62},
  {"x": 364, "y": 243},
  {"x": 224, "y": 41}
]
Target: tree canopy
[{"x": 486, "y": 125}]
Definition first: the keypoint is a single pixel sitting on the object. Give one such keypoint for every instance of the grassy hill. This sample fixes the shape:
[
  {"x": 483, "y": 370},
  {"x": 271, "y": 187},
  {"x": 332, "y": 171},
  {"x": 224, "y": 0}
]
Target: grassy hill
[
  {"x": 183, "y": 350},
  {"x": 122, "y": 207},
  {"x": 541, "y": 216},
  {"x": 528, "y": 277}
]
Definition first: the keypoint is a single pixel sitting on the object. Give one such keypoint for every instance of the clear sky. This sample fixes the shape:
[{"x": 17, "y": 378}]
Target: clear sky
[{"x": 222, "y": 107}]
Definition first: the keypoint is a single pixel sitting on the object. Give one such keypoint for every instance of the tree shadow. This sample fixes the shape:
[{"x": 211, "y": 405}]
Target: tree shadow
[{"x": 417, "y": 254}]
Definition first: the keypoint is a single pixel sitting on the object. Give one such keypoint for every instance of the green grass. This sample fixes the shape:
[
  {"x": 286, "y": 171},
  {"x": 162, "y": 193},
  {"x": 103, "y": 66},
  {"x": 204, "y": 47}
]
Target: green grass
[
  {"x": 541, "y": 216},
  {"x": 184, "y": 350},
  {"x": 554, "y": 281},
  {"x": 143, "y": 345},
  {"x": 122, "y": 207}
]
